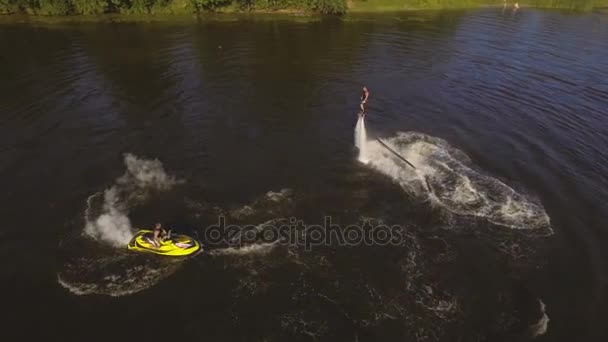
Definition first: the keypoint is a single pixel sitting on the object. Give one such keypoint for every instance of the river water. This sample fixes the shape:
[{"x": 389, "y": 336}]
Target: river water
[{"x": 109, "y": 128}]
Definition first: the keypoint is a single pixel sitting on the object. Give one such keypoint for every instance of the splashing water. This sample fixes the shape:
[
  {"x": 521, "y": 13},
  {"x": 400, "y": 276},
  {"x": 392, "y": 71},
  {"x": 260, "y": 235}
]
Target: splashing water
[
  {"x": 253, "y": 249},
  {"x": 114, "y": 274},
  {"x": 361, "y": 139},
  {"x": 98, "y": 269},
  {"x": 146, "y": 174},
  {"x": 113, "y": 225},
  {"x": 540, "y": 327},
  {"x": 106, "y": 217},
  {"x": 444, "y": 174}
]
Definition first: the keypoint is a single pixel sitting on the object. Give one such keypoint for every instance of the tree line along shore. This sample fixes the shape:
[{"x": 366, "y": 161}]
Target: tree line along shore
[{"x": 169, "y": 7}]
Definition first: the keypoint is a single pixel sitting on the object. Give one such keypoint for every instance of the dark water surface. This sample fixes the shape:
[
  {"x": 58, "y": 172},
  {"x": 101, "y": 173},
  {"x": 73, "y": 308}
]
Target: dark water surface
[{"x": 106, "y": 128}]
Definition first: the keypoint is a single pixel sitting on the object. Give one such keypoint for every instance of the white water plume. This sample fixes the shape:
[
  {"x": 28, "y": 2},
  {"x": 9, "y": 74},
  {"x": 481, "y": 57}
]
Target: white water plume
[
  {"x": 446, "y": 176},
  {"x": 146, "y": 174},
  {"x": 540, "y": 327},
  {"x": 113, "y": 225},
  {"x": 361, "y": 139},
  {"x": 106, "y": 217}
]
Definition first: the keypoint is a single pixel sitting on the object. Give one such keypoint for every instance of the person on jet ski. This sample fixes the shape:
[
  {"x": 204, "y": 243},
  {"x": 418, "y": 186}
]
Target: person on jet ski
[{"x": 159, "y": 234}]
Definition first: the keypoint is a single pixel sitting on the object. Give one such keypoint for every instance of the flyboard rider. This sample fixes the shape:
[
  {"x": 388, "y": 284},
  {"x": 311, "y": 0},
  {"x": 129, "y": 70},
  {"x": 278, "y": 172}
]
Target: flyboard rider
[{"x": 364, "y": 98}]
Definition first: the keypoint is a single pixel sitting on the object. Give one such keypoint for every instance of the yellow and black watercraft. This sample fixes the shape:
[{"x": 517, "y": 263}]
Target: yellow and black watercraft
[{"x": 170, "y": 245}]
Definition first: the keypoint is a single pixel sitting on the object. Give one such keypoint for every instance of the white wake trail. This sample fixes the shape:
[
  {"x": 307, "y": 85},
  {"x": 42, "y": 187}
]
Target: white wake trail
[{"x": 447, "y": 176}]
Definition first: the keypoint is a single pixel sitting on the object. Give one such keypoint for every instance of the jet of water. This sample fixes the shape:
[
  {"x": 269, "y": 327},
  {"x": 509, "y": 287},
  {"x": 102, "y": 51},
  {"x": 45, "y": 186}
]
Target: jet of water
[{"x": 361, "y": 139}]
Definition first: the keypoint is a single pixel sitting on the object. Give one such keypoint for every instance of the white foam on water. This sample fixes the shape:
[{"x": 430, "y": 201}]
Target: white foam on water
[
  {"x": 361, "y": 139},
  {"x": 253, "y": 249},
  {"x": 108, "y": 221},
  {"x": 273, "y": 203},
  {"x": 445, "y": 175},
  {"x": 540, "y": 327},
  {"x": 77, "y": 289},
  {"x": 113, "y": 276},
  {"x": 278, "y": 196}
]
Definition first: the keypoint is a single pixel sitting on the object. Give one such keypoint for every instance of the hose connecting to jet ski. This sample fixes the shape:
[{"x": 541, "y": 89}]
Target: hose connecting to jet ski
[
  {"x": 395, "y": 153},
  {"x": 426, "y": 180}
]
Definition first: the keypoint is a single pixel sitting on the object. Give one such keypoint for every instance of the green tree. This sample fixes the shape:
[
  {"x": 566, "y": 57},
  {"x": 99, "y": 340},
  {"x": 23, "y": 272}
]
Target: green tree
[
  {"x": 173, "y": 7},
  {"x": 116, "y": 6},
  {"x": 89, "y": 7},
  {"x": 138, "y": 6},
  {"x": 209, "y": 5},
  {"x": 330, "y": 6},
  {"x": 54, "y": 7},
  {"x": 8, "y": 6}
]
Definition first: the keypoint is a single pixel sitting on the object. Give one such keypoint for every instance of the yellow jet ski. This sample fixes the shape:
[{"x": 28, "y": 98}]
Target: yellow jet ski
[{"x": 170, "y": 245}]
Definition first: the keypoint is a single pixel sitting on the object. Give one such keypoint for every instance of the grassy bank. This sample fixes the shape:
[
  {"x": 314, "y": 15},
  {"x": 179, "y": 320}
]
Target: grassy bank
[
  {"x": 404, "y": 5},
  {"x": 196, "y": 7},
  {"x": 577, "y": 5},
  {"x": 401, "y": 5}
]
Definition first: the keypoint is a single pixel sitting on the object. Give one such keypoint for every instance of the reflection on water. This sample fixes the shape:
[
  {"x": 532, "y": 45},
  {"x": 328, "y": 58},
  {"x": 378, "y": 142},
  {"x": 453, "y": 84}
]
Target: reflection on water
[{"x": 502, "y": 220}]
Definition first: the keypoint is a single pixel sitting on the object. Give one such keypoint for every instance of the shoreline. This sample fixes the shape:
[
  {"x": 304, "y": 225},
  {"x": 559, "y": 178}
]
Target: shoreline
[{"x": 230, "y": 14}]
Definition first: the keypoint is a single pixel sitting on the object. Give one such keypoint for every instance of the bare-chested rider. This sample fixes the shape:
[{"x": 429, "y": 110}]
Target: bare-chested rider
[{"x": 364, "y": 98}]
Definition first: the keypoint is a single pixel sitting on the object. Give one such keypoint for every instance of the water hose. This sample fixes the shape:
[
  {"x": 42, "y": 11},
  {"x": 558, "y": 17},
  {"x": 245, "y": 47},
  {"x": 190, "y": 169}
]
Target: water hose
[{"x": 395, "y": 153}]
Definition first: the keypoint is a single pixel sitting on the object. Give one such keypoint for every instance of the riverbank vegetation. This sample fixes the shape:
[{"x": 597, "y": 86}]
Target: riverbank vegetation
[
  {"x": 396, "y": 5},
  {"x": 145, "y": 7},
  {"x": 161, "y": 7}
]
